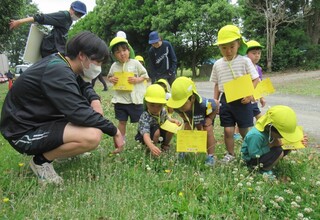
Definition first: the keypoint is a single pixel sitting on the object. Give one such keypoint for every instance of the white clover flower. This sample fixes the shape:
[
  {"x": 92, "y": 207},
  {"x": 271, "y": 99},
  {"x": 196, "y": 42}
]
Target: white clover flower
[
  {"x": 263, "y": 208},
  {"x": 234, "y": 172},
  {"x": 295, "y": 205},
  {"x": 236, "y": 179},
  {"x": 289, "y": 191},
  {"x": 279, "y": 198},
  {"x": 308, "y": 210},
  {"x": 293, "y": 183},
  {"x": 257, "y": 156},
  {"x": 241, "y": 176},
  {"x": 248, "y": 184},
  {"x": 318, "y": 183},
  {"x": 298, "y": 199},
  {"x": 201, "y": 179},
  {"x": 303, "y": 178},
  {"x": 300, "y": 215},
  {"x": 257, "y": 188},
  {"x": 235, "y": 169},
  {"x": 240, "y": 185}
]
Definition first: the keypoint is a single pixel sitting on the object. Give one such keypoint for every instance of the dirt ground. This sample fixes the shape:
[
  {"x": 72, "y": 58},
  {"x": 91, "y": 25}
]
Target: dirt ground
[{"x": 307, "y": 108}]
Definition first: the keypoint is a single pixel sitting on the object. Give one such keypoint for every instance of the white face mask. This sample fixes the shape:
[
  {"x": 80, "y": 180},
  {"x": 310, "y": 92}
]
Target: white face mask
[
  {"x": 74, "y": 17},
  {"x": 90, "y": 73}
]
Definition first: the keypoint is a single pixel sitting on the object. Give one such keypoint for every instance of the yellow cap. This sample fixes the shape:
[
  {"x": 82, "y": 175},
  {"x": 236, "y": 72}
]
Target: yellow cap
[
  {"x": 164, "y": 82},
  {"x": 284, "y": 119},
  {"x": 230, "y": 33},
  {"x": 140, "y": 58},
  {"x": 155, "y": 94},
  {"x": 182, "y": 88},
  {"x": 117, "y": 40},
  {"x": 253, "y": 44}
]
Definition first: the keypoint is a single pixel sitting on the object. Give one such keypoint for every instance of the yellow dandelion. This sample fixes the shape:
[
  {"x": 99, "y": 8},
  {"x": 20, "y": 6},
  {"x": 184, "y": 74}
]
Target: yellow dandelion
[
  {"x": 21, "y": 164},
  {"x": 167, "y": 171},
  {"x": 5, "y": 200},
  {"x": 180, "y": 194}
]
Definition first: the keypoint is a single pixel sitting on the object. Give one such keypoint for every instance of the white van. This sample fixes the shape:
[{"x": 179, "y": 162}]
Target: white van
[{"x": 19, "y": 69}]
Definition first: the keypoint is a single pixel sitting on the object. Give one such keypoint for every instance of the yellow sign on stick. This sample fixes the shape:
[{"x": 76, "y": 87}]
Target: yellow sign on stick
[
  {"x": 292, "y": 146},
  {"x": 263, "y": 88},
  {"x": 32, "y": 49},
  {"x": 238, "y": 88},
  {"x": 192, "y": 141},
  {"x": 123, "y": 83}
]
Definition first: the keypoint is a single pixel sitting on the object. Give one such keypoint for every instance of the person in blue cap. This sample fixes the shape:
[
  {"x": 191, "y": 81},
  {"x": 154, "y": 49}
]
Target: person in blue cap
[
  {"x": 163, "y": 60},
  {"x": 61, "y": 21}
]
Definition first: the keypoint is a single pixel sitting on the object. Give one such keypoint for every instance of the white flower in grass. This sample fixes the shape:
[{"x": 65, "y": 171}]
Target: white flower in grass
[
  {"x": 293, "y": 183},
  {"x": 201, "y": 179},
  {"x": 263, "y": 208},
  {"x": 240, "y": 185},
  {"x": 303, "y": 178},
  {"x": 257, "y": 156},
  {"x": 298, "y": 199},
  {"x": 258, "y": 188},
  {"x": 295, "y": 205},
  {"x": 300, "y": 216},
  {"x": 248, "y": 184},
  {"x": 308, "y": 210},
  {"x": 279, "y": 198},
  {"x": 241, "y": 176},
  {"x": 236, "y": 179},
  {"x": 318, "y": 183},
  {"x": 289, "y": 191}
]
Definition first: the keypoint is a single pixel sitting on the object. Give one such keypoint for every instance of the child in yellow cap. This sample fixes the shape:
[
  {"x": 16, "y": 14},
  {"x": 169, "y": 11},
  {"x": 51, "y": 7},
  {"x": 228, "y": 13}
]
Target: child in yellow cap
[
  {"x": 127, "y": 103},
  {"x": 233, "y": 64},
  {"x": 197, "y": 112},
  {"x": 262, "y": 144},
  {"x": 149, "y": 131}
]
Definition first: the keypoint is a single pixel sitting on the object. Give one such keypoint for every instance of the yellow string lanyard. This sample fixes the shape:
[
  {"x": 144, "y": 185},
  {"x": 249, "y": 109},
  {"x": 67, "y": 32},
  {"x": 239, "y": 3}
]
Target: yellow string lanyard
[
  {"x": 64, "y": 59},
  {"x": 230, "y": 66},
  {"x": 192, "y": 114}
]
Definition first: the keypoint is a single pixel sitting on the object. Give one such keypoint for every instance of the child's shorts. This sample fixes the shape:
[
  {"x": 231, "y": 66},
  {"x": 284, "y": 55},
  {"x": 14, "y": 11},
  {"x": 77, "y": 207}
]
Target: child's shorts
[
  {"x": 269, "y": 158},
  {"x": 124, "y": 111},
  {"x": 42, "y": 139},
  {"x": 255, "y": 109},
  {"x": 235, "y": 112},
  {"x": 153, "y": 130}
]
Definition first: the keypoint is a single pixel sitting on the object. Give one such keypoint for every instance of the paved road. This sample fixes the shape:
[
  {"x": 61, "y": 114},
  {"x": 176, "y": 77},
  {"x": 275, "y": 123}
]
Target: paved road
[{"x": 307, "y": 108}]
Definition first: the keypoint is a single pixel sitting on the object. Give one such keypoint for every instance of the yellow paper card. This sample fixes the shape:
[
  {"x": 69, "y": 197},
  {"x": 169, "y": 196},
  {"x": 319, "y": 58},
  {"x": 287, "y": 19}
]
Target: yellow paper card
[
  {"x": 238, "y": 88},
  {"x": 123, "y": 83},
  {"x": 192, "y": 141},
  {"x": 263, "y": 88},
  {"x": 171, "y": 127},
  {"x": 292, "y": 146}
]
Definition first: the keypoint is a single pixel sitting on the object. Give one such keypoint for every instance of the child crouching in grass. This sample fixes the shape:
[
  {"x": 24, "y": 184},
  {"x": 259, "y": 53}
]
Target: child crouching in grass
[
  {"x": 262, "y": 146},
  {"x": 149, "y": 131},
  {"x": 197, "y": 112}
]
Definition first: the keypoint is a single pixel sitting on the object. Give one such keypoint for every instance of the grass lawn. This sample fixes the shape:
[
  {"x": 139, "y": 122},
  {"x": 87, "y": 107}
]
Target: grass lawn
[{"x": 133, "y": 185}]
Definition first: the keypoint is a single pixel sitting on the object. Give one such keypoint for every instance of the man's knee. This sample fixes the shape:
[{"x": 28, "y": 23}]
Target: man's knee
[{"x": 93, "y": 138}]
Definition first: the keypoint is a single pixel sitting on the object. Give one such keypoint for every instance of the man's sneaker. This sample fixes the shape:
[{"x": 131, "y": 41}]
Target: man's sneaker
[
  {"x": 227, "y": 158},
  {"x": 209, "y": 161},
  {"x": 45, "y": 173}
]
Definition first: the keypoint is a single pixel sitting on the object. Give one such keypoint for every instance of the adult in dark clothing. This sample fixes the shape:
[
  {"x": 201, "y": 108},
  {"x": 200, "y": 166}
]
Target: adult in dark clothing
[
  {"x": 61, "y": 22},
  {"x": 163, "y": 60},
  {"x": 52, "y": 110},
  {"x": 101, "y": 79}
]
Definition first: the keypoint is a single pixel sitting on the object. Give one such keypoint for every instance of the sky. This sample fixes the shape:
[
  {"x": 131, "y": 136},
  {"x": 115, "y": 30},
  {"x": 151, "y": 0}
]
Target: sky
[{"x": 49, "y": 6}]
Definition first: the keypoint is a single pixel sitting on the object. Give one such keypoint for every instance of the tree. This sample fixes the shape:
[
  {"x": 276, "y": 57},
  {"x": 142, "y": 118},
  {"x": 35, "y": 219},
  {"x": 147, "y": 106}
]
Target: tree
[
  {"x": 276, "y": 13},
  {"x": 9, "y": 9},
  {"x": 192, "y": 26}
]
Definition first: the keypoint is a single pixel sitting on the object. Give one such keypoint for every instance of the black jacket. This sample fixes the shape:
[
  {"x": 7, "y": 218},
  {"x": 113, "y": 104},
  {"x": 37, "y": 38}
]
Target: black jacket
[
  {"x": 56, "y": 40},
  {"x": 49, "y": 90}
]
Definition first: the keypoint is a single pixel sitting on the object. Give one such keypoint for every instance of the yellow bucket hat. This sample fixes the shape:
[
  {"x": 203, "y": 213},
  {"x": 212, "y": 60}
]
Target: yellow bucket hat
[
  {"x": 139, "y": 58},
  {"x": 118, "y": 40},
  {"x": 284, "y": 119},
  {"x": 155, "y": 94},
  {"x": 165, "y": 82},
  {"x": 230, "y": 33},
  {"x": 253, "y": 44},
  {"x": 182, "y": 88}
]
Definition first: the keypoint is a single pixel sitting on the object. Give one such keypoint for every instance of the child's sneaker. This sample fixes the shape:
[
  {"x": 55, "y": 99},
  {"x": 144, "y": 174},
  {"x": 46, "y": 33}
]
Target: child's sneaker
[
  {"x": 45, "y": 173},
  {"x": 227, "y": 158},
  {"x": 209, "y": 161},
  {"x": 237, "y": 137},
  {"x": 268, "y": 174}
]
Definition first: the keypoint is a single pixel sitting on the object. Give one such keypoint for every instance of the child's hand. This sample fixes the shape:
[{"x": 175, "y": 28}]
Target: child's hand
[
  {"x": 133, "y": 80},
  {"x": 155, "y": 151},
  {"x": 304, "y": 141},
  {"x": 262, "y": 102},
  {"x": 113, "y": 79},
  {"x": 246, "y": 100}
]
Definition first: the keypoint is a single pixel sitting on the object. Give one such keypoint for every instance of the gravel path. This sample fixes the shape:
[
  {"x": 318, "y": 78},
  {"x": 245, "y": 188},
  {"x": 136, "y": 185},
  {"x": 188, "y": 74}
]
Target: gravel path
[{"x": 306, "y": 107}]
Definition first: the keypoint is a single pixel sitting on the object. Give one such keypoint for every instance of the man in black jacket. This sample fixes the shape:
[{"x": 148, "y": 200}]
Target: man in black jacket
[
  {"x": 52, "y": 111},
  {"x": 61, "y": 22}
]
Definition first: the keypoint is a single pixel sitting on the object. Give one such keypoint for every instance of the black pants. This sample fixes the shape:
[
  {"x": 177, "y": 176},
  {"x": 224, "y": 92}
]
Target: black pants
[{"x": 101, "y": 79}]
